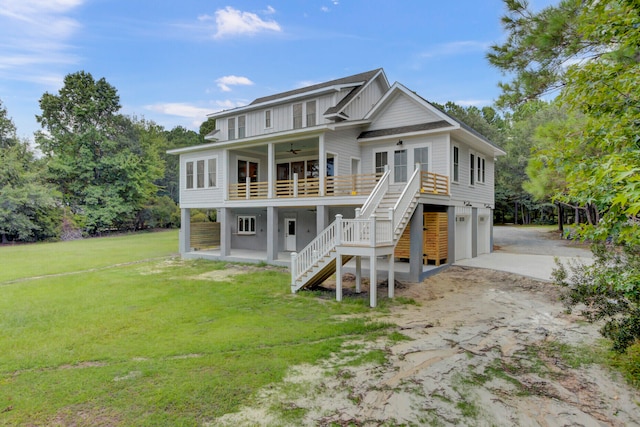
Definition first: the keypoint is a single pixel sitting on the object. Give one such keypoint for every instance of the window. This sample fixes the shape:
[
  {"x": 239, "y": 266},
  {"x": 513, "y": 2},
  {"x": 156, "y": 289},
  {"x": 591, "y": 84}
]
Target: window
[
  {"x": 242, "y": 126},
  {"x": 267, "y": 119},
  {"x": 200, "y": 173},
  {"x": 400, "y": 166},
  {"x": 311, "y": 113},
  {"x": 246, "y": 224},
  {"x": 247, "y": 169},
  {"x": 212, "y": 165},
  {"x": 313, "y": 169},
  {"x": 421, "y": 155},
  {"x": 381, "y": 161},
  {"x": 472, "y": 169},
  {"x": 456, "y": 164},
  {"x": 297, "y": 116},
  {"x": 231, "y": 125},
  {"x": 480, "y": 171},
  {"x": 189, "y": 174}
]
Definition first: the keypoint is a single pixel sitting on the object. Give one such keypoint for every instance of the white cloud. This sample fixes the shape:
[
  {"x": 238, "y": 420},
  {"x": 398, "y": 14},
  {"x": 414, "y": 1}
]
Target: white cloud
[
  {"x": 35, "y": 35},
  {"x": 456, "y": 48},
  {"x": 226, "y": 81},
  {"x": 232, "y": 22},
  {"x": 270, "y": 10},
  {"x": 325, "y": 9},
  {"x": 179, "y": 109}
]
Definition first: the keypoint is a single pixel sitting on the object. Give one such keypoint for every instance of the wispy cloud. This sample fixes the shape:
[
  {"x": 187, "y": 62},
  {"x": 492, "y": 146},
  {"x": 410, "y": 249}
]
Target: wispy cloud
[
  {"x": 455, "y": 48},
  {"x": 474, "y": 102},
  {"x": 232, "y": 22},
  {"x": 225, "y": 82},
  {"x": 35, "y": 35},
  {"x": 179, "y": 109}
]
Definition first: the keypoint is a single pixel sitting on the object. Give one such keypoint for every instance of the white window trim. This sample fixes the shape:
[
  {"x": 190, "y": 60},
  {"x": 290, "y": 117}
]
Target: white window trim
[
  {"x": 251, "y": 221},
  {"x": 303, "y": 119},
  {"x": 453, "y": 165},
  {"x": 412, "y": 163},
  {"x": 206, "y": 173},
  {"x": 479, "y": 177},
  {"x": 374, "y": 160},
  {"x": 270, "y": 111},
  {"x": 472, "y": 168}
]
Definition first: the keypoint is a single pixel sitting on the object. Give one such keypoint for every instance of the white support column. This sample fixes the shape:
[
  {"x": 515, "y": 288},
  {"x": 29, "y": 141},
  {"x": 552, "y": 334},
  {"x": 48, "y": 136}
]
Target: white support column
[
  {"x": 272, "y": 233},
  {"x": 339, "y": 277},
  {"x": 271, "y": 169},
  {"x": 248, "y": 182},
  {"x": 295, "y": 185},
  {"x": 185, "y": 231},
  {"x": 224, "y": 217},
  {"x": 373, "y": 281},
  {"x": 294, "y": 270},
  {"x": 392, "y": 276},
  {"x": 322, "y": 164},
  {"x": 358, "y": 274},
  {"x": 226, "y": 167},
  {"x": 338, "y": 229}
]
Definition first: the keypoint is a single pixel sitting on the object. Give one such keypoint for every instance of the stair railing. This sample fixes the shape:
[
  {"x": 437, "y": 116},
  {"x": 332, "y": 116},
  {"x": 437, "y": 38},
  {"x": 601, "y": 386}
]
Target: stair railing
[
  {"x": 375, "y": 197},
  {"x": 408, "y": 194}
]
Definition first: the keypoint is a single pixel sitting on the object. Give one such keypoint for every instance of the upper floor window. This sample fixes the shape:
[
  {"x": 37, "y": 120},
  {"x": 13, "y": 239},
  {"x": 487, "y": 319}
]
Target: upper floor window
[
  {"x": 212, "y": 173},
  {"x": 267, "y": 119},
  {"x": 421, "y": 155},
  {"x": 311, "y": 113},
  {"x": 297, "y": 116},
  {"x": 381, "y": 161},
  {"x": 472, "y": 169},
  {"x": 200, "y": 173},
  {"x": 480, "y": 171},
  {"x": 189, "y": 174},
  {"x": 231, "y": 128},
  {"x": 456, "y": 164},
  {"x": 242, "y": 126},
  {"x": 400, "y": 166}
]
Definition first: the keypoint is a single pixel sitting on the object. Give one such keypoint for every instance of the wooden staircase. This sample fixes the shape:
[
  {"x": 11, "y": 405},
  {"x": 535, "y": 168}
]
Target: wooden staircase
[{"x": 380, "y": 222}]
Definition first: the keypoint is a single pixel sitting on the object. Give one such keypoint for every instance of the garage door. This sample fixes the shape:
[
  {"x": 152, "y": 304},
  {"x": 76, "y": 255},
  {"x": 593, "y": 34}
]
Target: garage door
[
  {"x": 484, "y": 231},
  {"x": 463, "y": 235}
]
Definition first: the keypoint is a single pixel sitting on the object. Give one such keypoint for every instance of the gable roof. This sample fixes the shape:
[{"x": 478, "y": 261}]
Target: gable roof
[{"x": 355, "y": 80}]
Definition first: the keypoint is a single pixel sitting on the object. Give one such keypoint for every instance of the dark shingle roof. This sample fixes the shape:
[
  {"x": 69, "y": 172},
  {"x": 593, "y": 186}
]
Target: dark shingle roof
[
  {"x": 356, "y": 78},
  {"x": 404, "y": 129}
]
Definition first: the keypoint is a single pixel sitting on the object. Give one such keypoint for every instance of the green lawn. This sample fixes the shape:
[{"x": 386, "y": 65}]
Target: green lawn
[{"x": 150, "y": 343}]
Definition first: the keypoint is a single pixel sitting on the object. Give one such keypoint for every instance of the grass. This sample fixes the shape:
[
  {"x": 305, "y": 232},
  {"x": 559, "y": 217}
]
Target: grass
[
  {"x": 150, "y": 343},
  {"x": 30, "y": 260}
]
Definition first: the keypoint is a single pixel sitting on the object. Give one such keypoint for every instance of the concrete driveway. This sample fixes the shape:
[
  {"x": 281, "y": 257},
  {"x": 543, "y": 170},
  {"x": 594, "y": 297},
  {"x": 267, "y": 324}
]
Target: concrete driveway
[{"x": 529, "y": 252}]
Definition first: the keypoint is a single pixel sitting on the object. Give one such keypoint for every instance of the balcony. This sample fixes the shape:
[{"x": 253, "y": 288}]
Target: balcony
[{"x": 335, "y": 186}]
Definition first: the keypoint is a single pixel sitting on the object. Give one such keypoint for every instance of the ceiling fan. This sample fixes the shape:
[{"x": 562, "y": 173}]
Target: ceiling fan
[{"x": 292, "y": 151}]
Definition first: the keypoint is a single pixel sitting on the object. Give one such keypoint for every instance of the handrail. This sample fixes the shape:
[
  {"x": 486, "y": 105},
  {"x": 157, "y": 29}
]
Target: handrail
[
  {"x": 376, "y": 195},
  {"x": 408, "y": 194},
  {"x": 317, "y": 249}
]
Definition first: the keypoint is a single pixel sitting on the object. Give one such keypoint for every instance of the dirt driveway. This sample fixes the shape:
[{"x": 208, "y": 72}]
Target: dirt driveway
[{"x": 482, "y": 350}]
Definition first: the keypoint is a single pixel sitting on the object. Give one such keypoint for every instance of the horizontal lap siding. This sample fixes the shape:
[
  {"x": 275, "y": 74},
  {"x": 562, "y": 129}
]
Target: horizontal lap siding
[
  {"x": 403, "y": 111},
  {"x": 201, "y": 197},
  {"x": 345, "y": 145},
  {"x": 480, "y": 192}
]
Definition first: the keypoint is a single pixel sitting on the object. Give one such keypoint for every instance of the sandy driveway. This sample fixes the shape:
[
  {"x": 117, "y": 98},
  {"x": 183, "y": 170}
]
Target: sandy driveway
[{"x": 482, "y": 350}]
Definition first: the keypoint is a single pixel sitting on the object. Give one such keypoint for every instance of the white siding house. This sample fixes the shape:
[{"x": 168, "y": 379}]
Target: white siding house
[{"x": 350, "y": 155}]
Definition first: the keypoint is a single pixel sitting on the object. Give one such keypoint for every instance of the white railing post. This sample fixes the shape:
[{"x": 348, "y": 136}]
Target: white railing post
[
  {"x": 338, "y": 229},
  {"x": 391, "y": 214},
  {"x": 295, "y": 185},
  {"x": 358, "y": 212},
  {"x": 248, "y": 189},
  {"x": 294, "y": 270},
  {"x": 372, "y": 230}
]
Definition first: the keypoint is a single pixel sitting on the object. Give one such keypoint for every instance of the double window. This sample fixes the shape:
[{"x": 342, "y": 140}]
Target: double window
[
  {"x": 202, "y": 173},
  {"x": 236, "y": 127},
  {"x": 477, "y": 169},
  {"x": 304, "y": 114}
]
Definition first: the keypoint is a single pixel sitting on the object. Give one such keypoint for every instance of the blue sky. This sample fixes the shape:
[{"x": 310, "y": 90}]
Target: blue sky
[{"x": 175, "y": 61}]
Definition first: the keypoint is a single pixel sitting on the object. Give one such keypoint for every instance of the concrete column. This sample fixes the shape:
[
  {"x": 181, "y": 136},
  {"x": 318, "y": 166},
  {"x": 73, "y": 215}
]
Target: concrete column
[
  {"x": 392, "y": 276},
  {"x": 415, "y": 250},
  {"x": 184, "y": 241},
  {"x": 358, "y": 274},
  {"x": 339, "y": 277},
  {"x": 226, "y": 224},
  {"x": 272, "y": 233},
  {"x": 474, "y": 232},
  {"x": 491, "y": 231},
  {"x": 322, "y": 218},
  {"x": 451, "y": 241},
  {"x": 373, "y": 281}
]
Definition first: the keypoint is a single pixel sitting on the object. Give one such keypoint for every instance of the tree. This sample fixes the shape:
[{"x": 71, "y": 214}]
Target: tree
[
  {"x": 103, "y": 163},
  {"x": 175, "y": 138},
  {"x": 206, "y": 127},
  {"x": 590, "y": 50}
]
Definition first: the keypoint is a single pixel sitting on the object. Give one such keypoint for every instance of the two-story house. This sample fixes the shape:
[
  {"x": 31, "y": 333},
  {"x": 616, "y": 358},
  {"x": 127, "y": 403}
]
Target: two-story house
[{"x": 350, "y": 168}]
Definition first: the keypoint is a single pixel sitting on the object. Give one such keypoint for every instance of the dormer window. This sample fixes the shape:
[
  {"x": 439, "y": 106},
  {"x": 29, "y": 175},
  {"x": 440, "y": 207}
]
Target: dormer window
[
  {"x": 231, "y": 125},
  {"x": 311, "y": 113},
  {"x": 297, "y": 116}
]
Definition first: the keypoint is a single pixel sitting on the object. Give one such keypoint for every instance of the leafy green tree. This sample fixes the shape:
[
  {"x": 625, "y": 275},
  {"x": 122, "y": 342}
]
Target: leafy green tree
[
  {"x": 175, "y": 138},
  {"x": 590, "y": 51},
  {"x": 103, "y": 163},
  {"x": 207, "y": 127}
]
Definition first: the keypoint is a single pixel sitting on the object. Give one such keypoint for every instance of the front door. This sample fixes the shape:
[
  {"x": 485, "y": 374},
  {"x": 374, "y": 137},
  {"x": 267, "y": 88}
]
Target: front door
[{"x": 290, "y": 234}]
